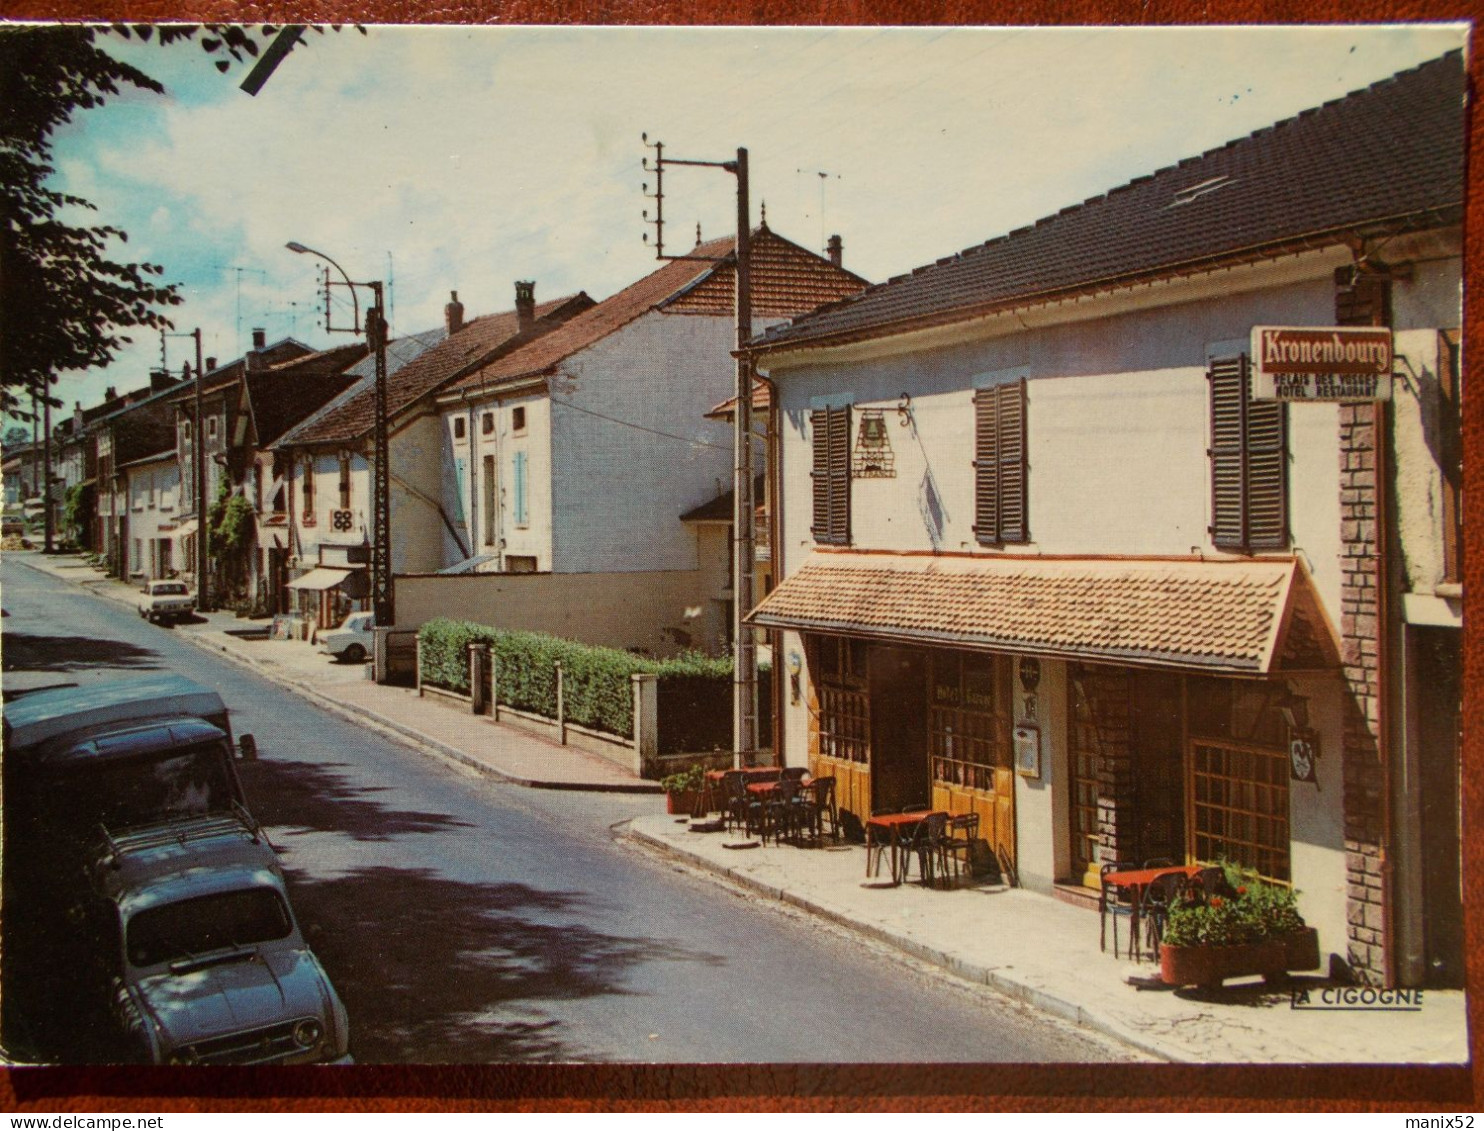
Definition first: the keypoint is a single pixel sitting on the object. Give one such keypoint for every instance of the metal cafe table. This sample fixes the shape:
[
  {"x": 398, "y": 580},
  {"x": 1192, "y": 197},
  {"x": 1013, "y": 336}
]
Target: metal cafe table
[
  {"x": 1133, "y": 882},
  {"x": 895, "y": 830}
]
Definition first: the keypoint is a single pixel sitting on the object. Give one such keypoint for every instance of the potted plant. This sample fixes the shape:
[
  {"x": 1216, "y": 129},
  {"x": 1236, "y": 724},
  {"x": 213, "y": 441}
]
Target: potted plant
[
  {"x": 1254, "y": 928},
  {"x": 684, "y": 790}
]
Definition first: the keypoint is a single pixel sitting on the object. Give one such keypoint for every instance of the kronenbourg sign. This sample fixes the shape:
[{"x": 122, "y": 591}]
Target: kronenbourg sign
[{"x": 1321, "y": 363}]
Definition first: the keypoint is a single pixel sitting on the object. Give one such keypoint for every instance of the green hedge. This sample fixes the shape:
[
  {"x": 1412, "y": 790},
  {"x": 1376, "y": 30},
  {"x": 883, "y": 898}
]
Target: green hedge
[{"x": 596, "y": 683}]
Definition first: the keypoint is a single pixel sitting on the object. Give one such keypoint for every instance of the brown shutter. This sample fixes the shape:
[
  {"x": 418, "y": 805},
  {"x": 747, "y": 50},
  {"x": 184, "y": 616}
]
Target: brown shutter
[
  {"x": 839, "y": 448},
  {"x": 986, "y": 467},
  {"x": 1012, "y": 462},
  {"x": 1267, "y": 474},
  {"x": 819, "y": 424},
  {"x": 1228, "y": 378},
  {"x": 831, "y": 440}
]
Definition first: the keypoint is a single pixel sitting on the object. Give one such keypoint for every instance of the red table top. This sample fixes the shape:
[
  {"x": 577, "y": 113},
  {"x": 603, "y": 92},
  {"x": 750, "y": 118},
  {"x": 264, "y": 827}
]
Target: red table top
[
  {"x": 894, "y": 820},
  {"x": 751, "y": 771},
  {"x": 770, "y": 786},
  {"x": 1139, "y": 877}
]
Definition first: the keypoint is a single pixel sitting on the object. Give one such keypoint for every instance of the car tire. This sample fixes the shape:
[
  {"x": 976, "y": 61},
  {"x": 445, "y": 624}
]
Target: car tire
[{"x": 355, "y": 654}]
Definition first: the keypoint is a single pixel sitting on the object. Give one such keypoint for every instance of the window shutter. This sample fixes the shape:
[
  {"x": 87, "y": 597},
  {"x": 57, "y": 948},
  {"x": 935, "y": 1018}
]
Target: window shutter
[
  {"x": 999, "y": 465},
  {"x": 1267, "y": 491},
  {"x": 819, "y": 424},
  {"x": 986, "y": 467},
  {"x": 1228, "y": 377},
  {"x": 840, "y": 475},
  {"x": 1012, "y": 462},
  {"x": 831, "y": 428}
]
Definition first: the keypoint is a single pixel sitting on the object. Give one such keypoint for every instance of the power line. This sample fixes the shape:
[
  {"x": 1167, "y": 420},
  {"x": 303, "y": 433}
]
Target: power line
[{"x": 642, "y": 428}]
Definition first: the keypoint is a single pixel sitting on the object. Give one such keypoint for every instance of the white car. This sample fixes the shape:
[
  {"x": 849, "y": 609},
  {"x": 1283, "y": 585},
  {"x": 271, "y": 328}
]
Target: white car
[
  {"x": 352, "y": 641},
  {"x": 199, "y": 958},
  {"x": 166, "y": 601}
]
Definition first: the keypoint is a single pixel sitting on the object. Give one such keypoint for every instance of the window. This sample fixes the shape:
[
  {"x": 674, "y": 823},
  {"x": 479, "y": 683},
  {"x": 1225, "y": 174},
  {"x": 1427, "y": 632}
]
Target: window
[
  {"x": 487, "y": 424},
  {"x": 1249, "y": 456},
  {"x": 488, "y": 482},
  {"x": 831, "y": 428},
  {"x": 520, "y": 563},
  {"x": 844, "y": 712},
  {"x": 522, "y": 503},
  {"x": 969, "y": 719},
  {"x": 458, "y": 427},
  {"x": 518, "y": 418},
  {"x": 1000, "y": 465},
  {"x": 345, "y": 481},
  {"x": 211, "y": 428},
  {"x": 309, "y": 491}
]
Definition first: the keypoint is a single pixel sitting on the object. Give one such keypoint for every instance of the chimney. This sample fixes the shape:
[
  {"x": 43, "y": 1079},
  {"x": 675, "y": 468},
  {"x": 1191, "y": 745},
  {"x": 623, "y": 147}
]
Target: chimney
[
  {"x": 160, "y": 379},
  {"x": 210, "y": 364},
  {"x": 525, "y": 304},
  {"x": 836, "y": 250},
  {"x": 259, "y": 338},
  {"x": 453, "y": 313},
  {"x": 110, "y": 394}
]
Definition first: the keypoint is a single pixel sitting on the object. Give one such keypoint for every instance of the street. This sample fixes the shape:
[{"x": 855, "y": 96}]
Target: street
[{"x": 466, "y": 920}]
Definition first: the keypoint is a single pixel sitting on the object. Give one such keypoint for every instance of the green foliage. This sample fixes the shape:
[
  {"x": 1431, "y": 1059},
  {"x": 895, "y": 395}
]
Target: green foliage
[
  {"x": 1253, "y": 911},
  {"x": 686, "y": 781},
  {"x": 74, "y": 506},
  {"x": 596, "y": 684}
]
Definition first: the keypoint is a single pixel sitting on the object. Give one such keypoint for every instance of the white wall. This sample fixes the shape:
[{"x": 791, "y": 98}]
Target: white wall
[{"x": 619, "y": 489}]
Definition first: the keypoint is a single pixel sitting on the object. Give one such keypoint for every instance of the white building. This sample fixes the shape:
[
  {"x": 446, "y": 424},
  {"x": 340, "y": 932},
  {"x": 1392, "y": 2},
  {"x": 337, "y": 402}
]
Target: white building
[
  {"x": 153, "y": 499},
  {"x": 1044, "y": 558}
]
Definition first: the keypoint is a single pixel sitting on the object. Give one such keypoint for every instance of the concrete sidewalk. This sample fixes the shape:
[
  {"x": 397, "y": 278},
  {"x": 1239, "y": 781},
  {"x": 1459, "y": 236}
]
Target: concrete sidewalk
[
  {"x": 1029, "y": 946},
  {"x": 1044, "y": 952}
]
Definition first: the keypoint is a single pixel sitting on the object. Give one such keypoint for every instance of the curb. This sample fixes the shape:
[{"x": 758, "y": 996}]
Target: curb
[{"x": 1037, "y": 999}]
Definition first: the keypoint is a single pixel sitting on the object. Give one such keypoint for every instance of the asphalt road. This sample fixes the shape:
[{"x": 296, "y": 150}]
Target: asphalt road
[{"x": 464, "y": 920}]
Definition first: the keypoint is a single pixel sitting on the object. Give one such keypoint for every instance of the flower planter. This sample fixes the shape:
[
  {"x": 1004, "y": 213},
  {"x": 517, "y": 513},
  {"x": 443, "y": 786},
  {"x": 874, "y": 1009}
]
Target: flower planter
[
  {"x": 1209, "y": 966},
  {"x": 685, "y": 803}
]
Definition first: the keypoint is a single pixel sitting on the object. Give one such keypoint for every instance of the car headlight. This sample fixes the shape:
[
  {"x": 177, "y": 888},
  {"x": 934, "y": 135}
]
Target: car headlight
[{"x": 307, "y": 1033}]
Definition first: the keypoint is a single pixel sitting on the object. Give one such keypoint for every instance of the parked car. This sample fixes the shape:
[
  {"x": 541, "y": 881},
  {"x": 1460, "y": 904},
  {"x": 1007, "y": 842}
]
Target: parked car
[
  {"x": 352, "y": 641},
  {"x": 166, "y": 601},
  {"x": 198, "y": 957}
]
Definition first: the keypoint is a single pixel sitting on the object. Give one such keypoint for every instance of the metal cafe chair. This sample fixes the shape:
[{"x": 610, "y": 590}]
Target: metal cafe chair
[
  {"x": 1113, "y": 905},
  {"x": 927, "y": 846},
  {"x": 1162, "y": 893},
  {"x": 958, "y": 842}
]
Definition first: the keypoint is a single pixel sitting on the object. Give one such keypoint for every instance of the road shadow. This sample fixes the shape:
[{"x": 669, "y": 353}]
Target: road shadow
[
  {"x": 434, "y": 970},
  {"x": 29, "y": 653},
  {"x": 314, "y": 796}
]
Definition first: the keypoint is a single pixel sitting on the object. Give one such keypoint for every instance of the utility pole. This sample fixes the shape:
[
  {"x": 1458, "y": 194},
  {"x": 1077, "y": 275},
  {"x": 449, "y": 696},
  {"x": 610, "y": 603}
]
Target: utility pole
[
  {"x": 382, "y": 599},
  {"x": 49, "y": 520},
  {"x": 744, "y": 564}
]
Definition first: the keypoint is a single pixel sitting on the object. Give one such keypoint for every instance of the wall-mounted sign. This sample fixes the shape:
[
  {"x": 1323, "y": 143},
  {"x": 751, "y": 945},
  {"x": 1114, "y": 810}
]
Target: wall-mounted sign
[
  {"x": 1321, "y": 363},
  {"x": 1030, "y": 672},
  {"x": 1028, "y": 750},
  {"x": 1303, "y": 752}
]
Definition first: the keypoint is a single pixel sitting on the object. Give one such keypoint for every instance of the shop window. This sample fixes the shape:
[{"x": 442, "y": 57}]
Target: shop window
[
  {"x": 1237, "y": 772},
  {"x": 831, "y": 431},
  {"x": 1249, "y": 458},
  {"x": 520, "y": 563},
  {"x": 839, "y": 668},
  {"x": 969, "y": 719},
  {"x": 1000, "y": 465}
]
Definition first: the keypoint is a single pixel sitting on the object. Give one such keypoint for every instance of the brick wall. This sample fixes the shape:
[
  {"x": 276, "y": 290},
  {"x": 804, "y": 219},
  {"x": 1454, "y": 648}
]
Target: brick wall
[{"x": 1362, "y": 303}]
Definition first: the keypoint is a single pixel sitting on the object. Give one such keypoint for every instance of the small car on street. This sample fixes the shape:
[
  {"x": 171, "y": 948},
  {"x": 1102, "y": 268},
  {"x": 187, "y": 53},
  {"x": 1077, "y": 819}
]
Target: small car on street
[
  {"x": 353, "y": 641},
  {"x": 198, "y": 958},
  {"x": 164, "y": 602}
]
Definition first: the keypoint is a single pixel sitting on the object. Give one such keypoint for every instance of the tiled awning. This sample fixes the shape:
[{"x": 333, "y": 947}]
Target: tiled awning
[{"x": 1238, "y": 617}]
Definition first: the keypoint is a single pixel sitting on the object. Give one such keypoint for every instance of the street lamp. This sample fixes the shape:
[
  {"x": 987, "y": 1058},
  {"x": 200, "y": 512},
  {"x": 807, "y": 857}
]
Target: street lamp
[{"x": 381, "y": 548}]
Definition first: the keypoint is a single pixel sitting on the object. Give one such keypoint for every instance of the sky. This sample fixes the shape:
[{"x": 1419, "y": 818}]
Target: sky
[{"x": 462, "y": 159}]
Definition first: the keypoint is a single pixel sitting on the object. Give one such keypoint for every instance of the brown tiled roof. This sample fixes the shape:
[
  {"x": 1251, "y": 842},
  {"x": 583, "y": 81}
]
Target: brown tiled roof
[
  {"x": 1384, "y": 159},
  {"x": 784, "y": 281},
  {"x": 1207, "y": 615},
  {"x": 284, "y": 394},
  {"x": 476, "y": 344},
  {"x": 285, "y": 349},
  {"x": 760, "y": 399}
]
